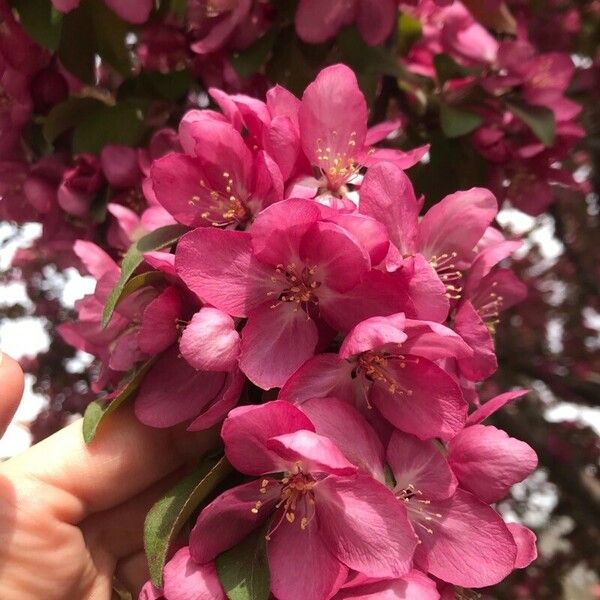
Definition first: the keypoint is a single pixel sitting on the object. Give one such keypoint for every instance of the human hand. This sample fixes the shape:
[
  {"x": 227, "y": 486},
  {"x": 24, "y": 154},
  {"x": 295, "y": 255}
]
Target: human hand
[{"x": 71, "y": 515}]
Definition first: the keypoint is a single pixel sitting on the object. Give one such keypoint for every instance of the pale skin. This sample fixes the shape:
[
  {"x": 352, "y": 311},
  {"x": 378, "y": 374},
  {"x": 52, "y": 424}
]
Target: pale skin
[{"x": 71, "y": 515}]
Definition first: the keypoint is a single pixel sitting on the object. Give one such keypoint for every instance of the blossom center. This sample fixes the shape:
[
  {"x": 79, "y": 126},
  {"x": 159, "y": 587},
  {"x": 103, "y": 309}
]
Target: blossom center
[
  {"x": 300, "y": 285},
  {"x": 417, "y": 507},
  {"x": 296, "y": 498},
  {"x": 490, "y": 310},
  {"x": 374, "y": 367},
  {"x": 445, "y": 268},
  {"x": 225, "y": 208},
  {"x": 338, "y": 167}
]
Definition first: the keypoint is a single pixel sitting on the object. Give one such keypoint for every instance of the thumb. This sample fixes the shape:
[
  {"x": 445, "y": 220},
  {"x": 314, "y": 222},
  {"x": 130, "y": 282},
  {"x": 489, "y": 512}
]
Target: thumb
[{"x": 11, "y": 389}]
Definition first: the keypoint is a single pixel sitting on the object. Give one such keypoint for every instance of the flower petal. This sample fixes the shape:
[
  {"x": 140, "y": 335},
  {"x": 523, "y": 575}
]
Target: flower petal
[
  {"x": 525, "y": 540},
  {"x": 159, "y": 322},
  {"x": 470, "y": 546},
  {"x": 301, "y": 566},
  {"x": 229, "y": 518},
  {"x": 373, "y": 333},
  {"x": 275, "y": 342},
  {"x": 434, "y": 408},
  {"x": 491, "y": 406},
  {"x": 219, "y": 267},
  {"x": 364, "y": 525},
  {"x": 420, "y": 465},
  {"x": 351, "y": 433},
  {"x": 186, "y": 580},
  {"x": 488, "y": 462},
  {"x": 318, "y": 21},
  {"x": 248, "y": 428}
]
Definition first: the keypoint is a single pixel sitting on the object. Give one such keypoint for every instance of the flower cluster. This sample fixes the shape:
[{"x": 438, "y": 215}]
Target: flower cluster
[{"x": 307, "y": 274}]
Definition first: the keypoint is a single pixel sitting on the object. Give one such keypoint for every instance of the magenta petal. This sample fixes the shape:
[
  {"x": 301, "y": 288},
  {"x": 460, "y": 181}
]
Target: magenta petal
[
  {"x": 229, "y": 518},
  {"x": 173, "y": 392},
  {"x": 485, "y": 260},
  {"x": 210, "y": 341},
  {"x": 375, "y": 19},
  {"x": 474, "y": 331},
  {"x": 132, "y": 11},
  {"x": 387, "y": 195},
  {"x": 315, "y": 452},
  {"x": 470, "y": 546},
  {"x": 275, "y": 342},
  {"x": 333, "y": 116},
  {"x": 525, "y": 540},
  {"x": 364, "y": 525},
  {"x": 420, "y": 465},
  {"x": 176, "y": 184},
  {"x": 96, "y": 261},
  {"x": 159, "y": 322},
  {"x": 488, "y": 462},
  {"x": 186, "y": 580},
  {"x": 348, "y": 429},
  {"x": 322, "y": 376},
  {"x": 412, "y": 586},
  {"x": 218, "y": 266},
  {"x": 373, "y": 333},
  {"x": 340, "y": 260},
  {"x": 248, "y": 428},
  {"x": 434, "y": 408},
  {"x": 492, "y": 405},
  {"x": 218, "y": 409},
  {"x": 301, "y": 566},
  {"x": 318, "y": 21},
  {"x": 434, "y": 341},
  {"x": 456, "y": 223}
]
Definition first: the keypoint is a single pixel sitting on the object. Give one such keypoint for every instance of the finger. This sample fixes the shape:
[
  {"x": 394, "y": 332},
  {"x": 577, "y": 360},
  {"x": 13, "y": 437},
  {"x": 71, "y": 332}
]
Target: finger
[
  {"x": 120, "y": 530},
  {"x": 125, "y": 458},
  {"x": 11, "y": 389},
  {"x": 132, "y": 572}
]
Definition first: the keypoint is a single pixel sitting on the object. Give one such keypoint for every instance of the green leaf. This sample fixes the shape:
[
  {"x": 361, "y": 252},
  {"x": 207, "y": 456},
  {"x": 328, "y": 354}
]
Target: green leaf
[
  {"x": 123, "y": 123},
  {"x": 364, "y": 58},
  {"x": 447, "y": 68},
  {"x": 41, "y": 21},
  {"x": 456, "y": 121},
  {"x": 249, "y": 61},
  {"x": 539, "y": 119},
  {"x": 156, "y": 240},
  {"x": 168, "y": 515},
  {"x": 77, "y": 45},
  {"x": 243, "y": 570},
  {"x": 97, "y": 411},
  {"x": 69, "y": 114},
  {"x": 166, "y": 86},
  {"x": 110, "y": 33},
  {"x": 410, "y": 31}
]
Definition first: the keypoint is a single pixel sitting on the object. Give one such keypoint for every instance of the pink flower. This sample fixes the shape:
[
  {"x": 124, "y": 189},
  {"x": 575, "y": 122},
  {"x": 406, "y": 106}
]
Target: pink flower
[
  {"x": 445, "y": 237},
  {"x": 183, "y": 579},
  {"x": 218, "y": 182},
  {"x": 413, "y": 586},
  {"x": 333, "y": 130},
  {"x": 80, "y": 185},
  {"x": 388, "y": 363},
  {"x": 293, "y": 274},
  {"x": 463, "y": 541},
  {"x": 316, "y": 22},
  {"x": 326, "y": 516}
]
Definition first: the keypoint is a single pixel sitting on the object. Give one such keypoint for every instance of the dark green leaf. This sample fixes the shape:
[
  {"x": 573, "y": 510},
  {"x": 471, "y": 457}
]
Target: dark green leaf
[
  {"x": 69, "y": 114},
  {"x": 539, "y": 119},
  {"x": 364, "y": 58},
  {"x": 158, "y": 239},
  {"x": 110, "y": 34},
  {"x": 97, "y": 411},
  {"x": 140, "y": 281},
  {"x": 249, "y": 61},
  {"x": 166, "y": 86},
  {"x": 458, "y": 121},
  {"x": 41, "y": 21},
  {"x": 243, "y": 570},
  {"x": 168, "y": 515},
  {"x": 447, "y": 68},
  {"x": 77, "y": 45},
  {"x": 123, "y": 123}
]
